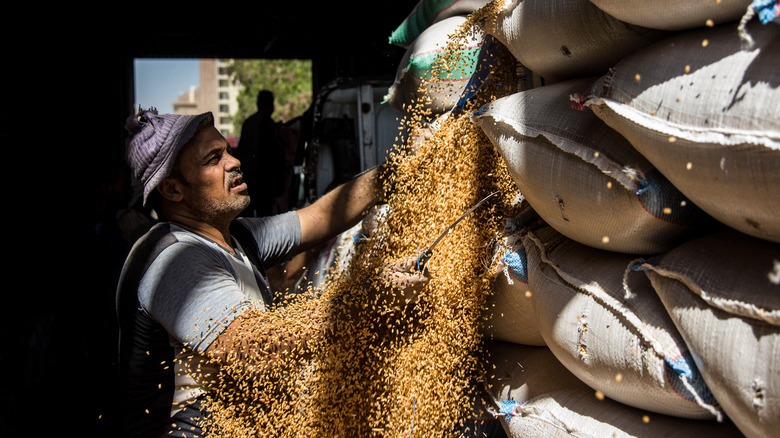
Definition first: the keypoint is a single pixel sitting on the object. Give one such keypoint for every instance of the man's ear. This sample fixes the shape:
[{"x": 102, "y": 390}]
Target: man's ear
[{"x": 170, "y": 189}]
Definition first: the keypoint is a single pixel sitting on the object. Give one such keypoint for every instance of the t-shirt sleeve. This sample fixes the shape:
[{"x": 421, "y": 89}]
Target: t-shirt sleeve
[
  {"x": 277, "y": 237},
  {"x": 190, "y": 291}
]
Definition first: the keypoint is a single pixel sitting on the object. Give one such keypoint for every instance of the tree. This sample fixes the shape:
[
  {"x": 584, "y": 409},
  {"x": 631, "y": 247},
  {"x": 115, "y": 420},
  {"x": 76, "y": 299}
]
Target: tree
[{"x": 289, "y": 79}]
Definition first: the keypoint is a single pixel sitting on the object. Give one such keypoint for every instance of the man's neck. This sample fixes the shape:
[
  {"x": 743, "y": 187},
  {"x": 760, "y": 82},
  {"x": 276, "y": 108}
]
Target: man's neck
[{"x": 219, "y": 234}]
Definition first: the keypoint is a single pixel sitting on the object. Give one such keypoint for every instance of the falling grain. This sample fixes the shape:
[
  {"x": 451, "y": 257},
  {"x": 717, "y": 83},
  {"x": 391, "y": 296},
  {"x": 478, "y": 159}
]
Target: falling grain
[{"x": 372, "y": 366}]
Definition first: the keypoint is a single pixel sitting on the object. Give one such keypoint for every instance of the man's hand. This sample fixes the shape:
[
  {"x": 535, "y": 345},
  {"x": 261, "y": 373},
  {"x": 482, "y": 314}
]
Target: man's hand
[{"x": 404, "y": 279}]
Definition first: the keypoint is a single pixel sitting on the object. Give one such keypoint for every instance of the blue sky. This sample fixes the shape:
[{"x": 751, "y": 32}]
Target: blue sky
[{"x": 159, "y": 82}]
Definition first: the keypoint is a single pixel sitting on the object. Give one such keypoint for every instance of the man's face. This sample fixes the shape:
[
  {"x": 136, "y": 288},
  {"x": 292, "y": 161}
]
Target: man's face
[{"x": 212, "y": 183}]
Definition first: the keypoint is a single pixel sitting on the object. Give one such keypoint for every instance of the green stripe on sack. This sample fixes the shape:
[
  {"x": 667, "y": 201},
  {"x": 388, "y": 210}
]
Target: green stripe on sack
[
  {"x": 419, "y": 20},
  {"x": 424, "y": 65}
]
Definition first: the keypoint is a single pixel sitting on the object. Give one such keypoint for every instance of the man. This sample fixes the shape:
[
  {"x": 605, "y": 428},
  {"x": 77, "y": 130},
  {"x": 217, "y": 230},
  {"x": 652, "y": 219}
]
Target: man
[
  {"x": 262, "y": 154},
  {"x": 186, "y": 283}
]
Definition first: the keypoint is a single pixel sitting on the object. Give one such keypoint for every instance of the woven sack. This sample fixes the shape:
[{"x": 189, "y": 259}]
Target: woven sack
[
  {"x": 427, "y": 12},
  {"x": 575, "y": 412},
  {"x": 708, "y": 117},
  {"x": 422, "y": 82},
  {"x": 608, "y": 327},
  {"x": 723, "y": 293},
  {"x": 674, "y": 15},
  {"x": 581, "y": 176},
  {"x": 509, "y": 312},
  {"x": 564, "y": 39},
  {"x": 517, "y": 373}
]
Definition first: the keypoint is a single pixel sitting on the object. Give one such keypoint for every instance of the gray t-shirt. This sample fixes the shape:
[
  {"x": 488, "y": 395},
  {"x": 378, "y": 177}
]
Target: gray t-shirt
[{"x": 195, "y": 288}]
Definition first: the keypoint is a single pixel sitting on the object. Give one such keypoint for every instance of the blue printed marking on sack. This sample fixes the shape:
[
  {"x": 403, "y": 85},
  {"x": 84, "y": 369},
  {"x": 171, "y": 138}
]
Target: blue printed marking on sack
[
  {"x": 664, "y": 201},
  {"x": 481, "y": 71},
  {"x": 767, "y": 10},
  {"x": 517, "y": 265},
  {"x": 682, "y": 368},
  {"x": 508, "y": 409}
]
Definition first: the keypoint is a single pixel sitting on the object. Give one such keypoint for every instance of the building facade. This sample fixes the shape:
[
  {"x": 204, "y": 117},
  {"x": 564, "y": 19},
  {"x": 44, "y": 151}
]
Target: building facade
[{"x": 217, "y": 93}]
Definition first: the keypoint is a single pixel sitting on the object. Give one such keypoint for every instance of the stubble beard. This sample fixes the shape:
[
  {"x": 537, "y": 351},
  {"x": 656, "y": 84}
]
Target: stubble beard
[
  {"x": 214, "y": 211},
  {"x": 217, "y": 211}
]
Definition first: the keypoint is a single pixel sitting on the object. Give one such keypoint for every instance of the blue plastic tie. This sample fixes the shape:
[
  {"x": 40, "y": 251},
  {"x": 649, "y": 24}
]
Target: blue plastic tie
[{"x": 414, "y": 402}]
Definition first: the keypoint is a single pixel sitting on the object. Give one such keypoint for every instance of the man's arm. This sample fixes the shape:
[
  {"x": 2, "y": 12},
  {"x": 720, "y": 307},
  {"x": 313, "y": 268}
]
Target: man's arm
[
  {"x": 341, "y": 208},
  {"x": 258, "y": 344}
]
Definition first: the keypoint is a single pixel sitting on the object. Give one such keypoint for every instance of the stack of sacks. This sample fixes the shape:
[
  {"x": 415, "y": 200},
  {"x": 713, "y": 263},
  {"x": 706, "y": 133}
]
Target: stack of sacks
[
  {"x": 564, "y": 39},
  {"x": 422, "y": 82},
  {"x": 535, "y": 396},
  {"x": 685, "y": 111},
  {"x": 581, "y": 176},
  {"x": 428, "y": 12},
  {"x": 704, "y": 108},
  {"x": 610, "y": 329},
  {"x": 723, "y": 293}
]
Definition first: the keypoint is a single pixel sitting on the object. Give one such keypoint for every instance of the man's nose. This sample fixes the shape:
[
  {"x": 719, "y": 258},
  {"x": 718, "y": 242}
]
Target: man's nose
[{"x": 233, "y": 162}]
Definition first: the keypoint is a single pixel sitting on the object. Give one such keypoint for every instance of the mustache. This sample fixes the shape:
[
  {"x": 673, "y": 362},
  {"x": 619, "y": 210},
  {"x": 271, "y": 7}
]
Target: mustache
[{"x": 235, "y": 177}]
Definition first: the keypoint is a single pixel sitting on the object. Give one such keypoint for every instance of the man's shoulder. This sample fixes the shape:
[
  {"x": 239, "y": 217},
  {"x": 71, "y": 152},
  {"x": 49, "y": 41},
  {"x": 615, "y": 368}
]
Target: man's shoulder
[
  {"x": 163, "y": 236},
  {"x": 252, "y": 119},
  {"x": 154, "y": 239}
]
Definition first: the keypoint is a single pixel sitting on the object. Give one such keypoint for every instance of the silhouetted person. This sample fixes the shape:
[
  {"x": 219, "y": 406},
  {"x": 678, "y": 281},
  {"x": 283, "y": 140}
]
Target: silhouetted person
[{"x": 262, "y": 157}]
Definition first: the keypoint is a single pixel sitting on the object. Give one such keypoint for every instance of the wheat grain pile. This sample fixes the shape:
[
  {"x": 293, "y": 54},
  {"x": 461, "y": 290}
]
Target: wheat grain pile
[{"x": 374, "y": 367}]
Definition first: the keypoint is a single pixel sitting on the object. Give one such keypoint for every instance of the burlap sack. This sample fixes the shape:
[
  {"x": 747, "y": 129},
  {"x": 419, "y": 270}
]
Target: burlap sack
[
  {"x": 723, "y": 294},
  {"x": 518, "y": 373},
  {"x": 534, "y": 395},
  {"x": 674, "y": 14},
  {"x": 581, "y": 176},
  {"x": 427, "y": 12},
  {"x": 706, "y": 112},
  {"x": 509, "y": 314},
  {"x": 565, "y": 39},
  {"x": 575, "y": 412},
  {"x": 605, "y": 324},
  {"x": 420, "y": 80}
]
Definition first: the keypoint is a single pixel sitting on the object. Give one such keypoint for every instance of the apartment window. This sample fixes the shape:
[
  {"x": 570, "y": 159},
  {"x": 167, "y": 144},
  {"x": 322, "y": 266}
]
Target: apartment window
[
  {"x": 224, "y": 83},
  {"x": 224, "y": 95},
  {"x": 224, "y": 108},
  {"x": 225, "y": 120}
]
